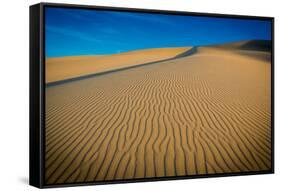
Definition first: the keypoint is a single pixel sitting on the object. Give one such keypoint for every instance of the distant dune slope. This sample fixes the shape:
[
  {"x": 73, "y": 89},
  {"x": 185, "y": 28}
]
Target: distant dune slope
[
  {"x": 255, "y": 45},
  {"x": 258, "y": 49},
  {"x": 206, "y": 113},
  {"x": 63, "y": 68}
]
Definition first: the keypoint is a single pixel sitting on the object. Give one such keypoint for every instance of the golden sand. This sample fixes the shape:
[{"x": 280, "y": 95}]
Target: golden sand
[
  {"x": 205, "y": 113},
  {"x": 63, "y": 68}
]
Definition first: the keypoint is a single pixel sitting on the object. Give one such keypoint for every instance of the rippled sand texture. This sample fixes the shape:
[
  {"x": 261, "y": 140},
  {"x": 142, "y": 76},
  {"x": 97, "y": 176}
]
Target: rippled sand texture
[{"x": 205, "y": 113}]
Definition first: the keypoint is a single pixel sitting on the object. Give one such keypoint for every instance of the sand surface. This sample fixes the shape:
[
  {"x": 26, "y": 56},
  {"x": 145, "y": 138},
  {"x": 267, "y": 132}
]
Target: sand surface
[
  {"x": 205, "y": 113},
  {"x": 63, "y": 68}
]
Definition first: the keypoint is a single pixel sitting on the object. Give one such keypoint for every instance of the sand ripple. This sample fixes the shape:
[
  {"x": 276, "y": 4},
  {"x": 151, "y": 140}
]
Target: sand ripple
[{"x": 202, "y": 114}]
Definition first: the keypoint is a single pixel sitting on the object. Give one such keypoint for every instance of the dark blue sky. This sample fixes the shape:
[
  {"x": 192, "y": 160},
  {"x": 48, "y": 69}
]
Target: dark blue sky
[{"x": 90, "y": 32}]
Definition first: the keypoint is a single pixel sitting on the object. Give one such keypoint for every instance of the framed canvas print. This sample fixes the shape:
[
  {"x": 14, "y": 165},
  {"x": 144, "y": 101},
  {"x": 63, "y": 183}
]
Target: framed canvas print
[{"x": 126, "y": 95}]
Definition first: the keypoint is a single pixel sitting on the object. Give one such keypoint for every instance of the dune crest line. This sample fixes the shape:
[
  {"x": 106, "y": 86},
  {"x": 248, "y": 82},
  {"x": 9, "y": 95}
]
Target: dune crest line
[{"x": 186, "y": 53}]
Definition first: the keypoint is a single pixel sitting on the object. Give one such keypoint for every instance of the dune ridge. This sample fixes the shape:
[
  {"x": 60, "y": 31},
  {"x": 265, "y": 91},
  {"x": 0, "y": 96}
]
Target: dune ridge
[
  {"x": 190, "y": 51},
  {"x": 205, "y": 113},
  {"x": 69, "y": 67}
]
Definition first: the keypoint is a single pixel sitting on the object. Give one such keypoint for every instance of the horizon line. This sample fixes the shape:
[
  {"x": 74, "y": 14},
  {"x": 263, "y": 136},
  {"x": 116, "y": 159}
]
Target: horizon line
[{"x": 138, "y": 49}]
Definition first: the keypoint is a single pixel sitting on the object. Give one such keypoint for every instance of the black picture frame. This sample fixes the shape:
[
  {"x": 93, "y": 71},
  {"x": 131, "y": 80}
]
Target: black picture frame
[{"x": 37, "y": 93}]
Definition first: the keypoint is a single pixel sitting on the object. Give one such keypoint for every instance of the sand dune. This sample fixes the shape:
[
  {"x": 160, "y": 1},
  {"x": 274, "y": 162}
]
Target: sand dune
[
  {"x": 63, "y": 68},
  {"x": 205, "y": 113},
  {"x": 253, "y": 45},
  {"x": 257, "y": 49}
]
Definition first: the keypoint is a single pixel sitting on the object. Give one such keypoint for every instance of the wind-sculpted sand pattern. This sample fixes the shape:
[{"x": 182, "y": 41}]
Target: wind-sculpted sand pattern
[{"x": 205, "y": 113}]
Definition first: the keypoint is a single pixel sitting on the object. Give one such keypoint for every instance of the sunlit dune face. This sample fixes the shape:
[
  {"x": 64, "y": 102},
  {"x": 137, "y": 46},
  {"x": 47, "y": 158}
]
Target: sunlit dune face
[
  {"x": 205, "y": 113},
  {"x": 64, "y": 68}
]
